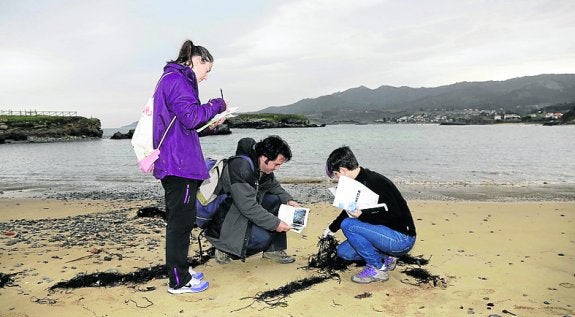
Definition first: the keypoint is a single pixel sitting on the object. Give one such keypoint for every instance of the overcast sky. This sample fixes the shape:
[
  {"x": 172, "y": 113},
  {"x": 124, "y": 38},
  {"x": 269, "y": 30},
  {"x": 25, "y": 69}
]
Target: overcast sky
[{"x": 102, "y": 58}]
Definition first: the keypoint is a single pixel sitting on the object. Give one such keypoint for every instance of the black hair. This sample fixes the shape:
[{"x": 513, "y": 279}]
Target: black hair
[
  {"x": 272, "y": 146},
  {"x": 190, "y": 50},
  {"x": 340, "y": 157}
]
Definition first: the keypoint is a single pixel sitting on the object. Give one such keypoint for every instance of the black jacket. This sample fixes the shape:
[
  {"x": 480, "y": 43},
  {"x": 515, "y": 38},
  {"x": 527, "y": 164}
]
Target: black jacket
[{"x": 397, "y": 217}]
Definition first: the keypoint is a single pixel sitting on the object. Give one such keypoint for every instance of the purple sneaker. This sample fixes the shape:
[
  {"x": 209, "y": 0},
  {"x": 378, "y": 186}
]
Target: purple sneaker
[
  {"x": 370, "y": 274},
  {"x": 194, "y": 286},
  {"x": 390, "y": 263}
]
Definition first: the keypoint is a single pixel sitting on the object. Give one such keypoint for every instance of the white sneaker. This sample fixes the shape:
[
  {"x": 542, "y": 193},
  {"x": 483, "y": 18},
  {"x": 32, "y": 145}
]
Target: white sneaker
[{"x": 194, "y": 286}]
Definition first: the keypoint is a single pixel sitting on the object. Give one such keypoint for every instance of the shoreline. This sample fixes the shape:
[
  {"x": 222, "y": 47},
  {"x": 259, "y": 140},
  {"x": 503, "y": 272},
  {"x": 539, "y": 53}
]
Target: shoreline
[{"x": 313, "y": 191}]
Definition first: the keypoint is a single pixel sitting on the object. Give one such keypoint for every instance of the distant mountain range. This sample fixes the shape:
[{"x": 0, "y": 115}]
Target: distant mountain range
[{"x": 364, "y": 105}]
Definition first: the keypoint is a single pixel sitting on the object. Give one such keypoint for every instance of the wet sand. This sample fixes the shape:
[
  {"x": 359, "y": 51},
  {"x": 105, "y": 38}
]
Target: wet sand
[{"x": 497, "y": 258}]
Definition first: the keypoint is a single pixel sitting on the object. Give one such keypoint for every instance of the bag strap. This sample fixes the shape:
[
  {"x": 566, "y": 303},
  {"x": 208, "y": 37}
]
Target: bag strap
[
  {"x": 247, "y": 158},
  {"x": 158, "y": 84},
  {"x": 173, "y": 119},
  {"x": 202, "y": 233},
  {"x": 166, "y": 132}
]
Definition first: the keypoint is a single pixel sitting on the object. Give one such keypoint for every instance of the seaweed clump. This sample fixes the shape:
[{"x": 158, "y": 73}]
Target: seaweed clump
[
  {"x": 412, "y": 260},
  {"x": 424, "y": 278},
  {"x": 326, "y": 259},
  {"x": 6, "y": 280},
  {"x": 113, "y": 279},
  {"x": 276, "y": 297},
  {"x": 140, "y": 276},
  {"x": 151, "y": 212}
]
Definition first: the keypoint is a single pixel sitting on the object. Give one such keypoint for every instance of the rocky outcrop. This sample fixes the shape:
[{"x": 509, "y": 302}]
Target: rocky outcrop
[
  {"x": 246, "y": 121},
  {"x": 220, "y": 130},
  {"x": 48, "y": 129},
  {"x": 122, "y": 136},
  {"x": 268, "y": 121}
]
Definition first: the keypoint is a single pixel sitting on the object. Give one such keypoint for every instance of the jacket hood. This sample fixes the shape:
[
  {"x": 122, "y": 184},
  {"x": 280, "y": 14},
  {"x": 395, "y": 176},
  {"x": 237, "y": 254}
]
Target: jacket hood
[
  {"x": 175, "y": 66},
  {"x": 246, "y": 147},
  {"x": 185, "y": 70}
]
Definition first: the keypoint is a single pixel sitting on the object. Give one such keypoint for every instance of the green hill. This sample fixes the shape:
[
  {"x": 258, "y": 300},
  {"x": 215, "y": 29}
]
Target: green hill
[{"x": 362, "y": 104}]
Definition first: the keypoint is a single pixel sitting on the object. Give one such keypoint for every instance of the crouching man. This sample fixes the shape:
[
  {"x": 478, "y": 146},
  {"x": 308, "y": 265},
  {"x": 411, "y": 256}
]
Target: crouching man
[{"x": 246, "y": 223}]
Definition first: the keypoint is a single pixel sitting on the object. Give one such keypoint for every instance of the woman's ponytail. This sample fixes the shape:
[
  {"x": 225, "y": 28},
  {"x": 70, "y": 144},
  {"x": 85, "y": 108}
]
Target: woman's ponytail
[
  {"x": 189, "y": 50},
  {"x": 186, "y": 53}
]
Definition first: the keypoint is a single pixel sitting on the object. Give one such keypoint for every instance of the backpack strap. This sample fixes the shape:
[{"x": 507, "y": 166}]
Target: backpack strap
[
  {"x": 166, "y": 132},
  {"x": 247, "y": 158},
  {"x": 173, "y": 119},
  {"x": 202, "y": 233},
  {"x": 160, "y": 80}
]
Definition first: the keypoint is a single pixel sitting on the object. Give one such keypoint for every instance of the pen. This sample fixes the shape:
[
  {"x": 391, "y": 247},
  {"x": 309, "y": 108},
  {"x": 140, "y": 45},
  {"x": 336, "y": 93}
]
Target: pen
[{"x": 222, "y": 93}]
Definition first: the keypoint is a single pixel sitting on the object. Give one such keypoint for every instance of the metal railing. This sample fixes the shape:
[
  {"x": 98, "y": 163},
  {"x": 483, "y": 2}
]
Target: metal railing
[{"x": 38, "y": 113}]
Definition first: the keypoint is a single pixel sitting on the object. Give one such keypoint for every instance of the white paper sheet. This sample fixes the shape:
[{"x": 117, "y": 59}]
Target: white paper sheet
[
  {"x": 352, "y": 195},
  {"x": 229, "y": 113},
  {"x": 296, "y": 217}
]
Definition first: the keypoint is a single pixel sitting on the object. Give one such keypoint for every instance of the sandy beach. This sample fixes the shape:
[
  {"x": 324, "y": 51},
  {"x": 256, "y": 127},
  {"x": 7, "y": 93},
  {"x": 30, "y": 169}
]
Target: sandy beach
[{"x": 496, "y": 259}]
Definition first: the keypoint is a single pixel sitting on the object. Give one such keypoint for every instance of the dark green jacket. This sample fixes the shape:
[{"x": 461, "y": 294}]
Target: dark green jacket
[{"x": 230, "y": 229}]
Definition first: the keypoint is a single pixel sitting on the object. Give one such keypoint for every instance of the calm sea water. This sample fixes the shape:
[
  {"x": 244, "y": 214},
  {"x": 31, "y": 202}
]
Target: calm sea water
[{"x": 408, "y": 154}]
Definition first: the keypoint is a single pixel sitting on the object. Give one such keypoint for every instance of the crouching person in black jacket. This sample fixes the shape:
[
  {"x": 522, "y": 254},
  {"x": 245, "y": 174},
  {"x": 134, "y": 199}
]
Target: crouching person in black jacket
[{"x": 377, "y": 235}]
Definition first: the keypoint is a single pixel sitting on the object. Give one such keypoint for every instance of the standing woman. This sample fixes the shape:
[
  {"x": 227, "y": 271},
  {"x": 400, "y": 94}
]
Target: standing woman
[{"x": 181, "y": 166}]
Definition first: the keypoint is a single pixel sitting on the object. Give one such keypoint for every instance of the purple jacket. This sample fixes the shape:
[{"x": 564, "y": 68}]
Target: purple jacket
[{"x": 177, "y": 95}]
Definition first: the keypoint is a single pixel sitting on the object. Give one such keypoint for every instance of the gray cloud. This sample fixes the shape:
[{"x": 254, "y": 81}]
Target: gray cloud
[{"x": 102, "y": 58}]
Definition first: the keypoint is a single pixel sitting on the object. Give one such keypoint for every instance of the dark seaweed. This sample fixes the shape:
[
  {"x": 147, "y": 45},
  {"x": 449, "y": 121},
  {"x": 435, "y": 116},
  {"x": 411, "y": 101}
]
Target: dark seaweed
[
  {"x": 409, "y": 259},
  {"x": 113, "y": 279},
  {"x": 276, "y": 297},
  {"x": 326, "y": 259},
  {"x": 151, "y": 212},
  {"x": 423, "y": 277},
  {"x": 143, "y": 275},
  {"x": 6, "y": 280}
]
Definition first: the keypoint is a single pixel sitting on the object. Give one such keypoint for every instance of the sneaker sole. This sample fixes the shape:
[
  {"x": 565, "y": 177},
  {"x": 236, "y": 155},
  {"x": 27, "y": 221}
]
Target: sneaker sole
[
  {"x": 184, "y": 290},
  {"x": 279, "y": 260},
  {"x": 368, "y": 281},
  {"x": 223, "y": 261}
]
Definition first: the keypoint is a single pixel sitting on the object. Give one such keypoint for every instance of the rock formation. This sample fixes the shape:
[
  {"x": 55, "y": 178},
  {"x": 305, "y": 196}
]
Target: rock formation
[{"x": 48, "y": 128}]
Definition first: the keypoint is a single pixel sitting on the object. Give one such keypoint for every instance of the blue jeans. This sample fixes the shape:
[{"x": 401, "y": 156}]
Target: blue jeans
[
  {"x": 262, "y": 239},
  {"x": 372, "y": 243}
]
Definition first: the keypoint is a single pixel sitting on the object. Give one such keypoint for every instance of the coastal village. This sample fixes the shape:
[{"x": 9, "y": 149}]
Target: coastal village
[{"x": 476, "y": 116}]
